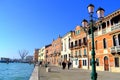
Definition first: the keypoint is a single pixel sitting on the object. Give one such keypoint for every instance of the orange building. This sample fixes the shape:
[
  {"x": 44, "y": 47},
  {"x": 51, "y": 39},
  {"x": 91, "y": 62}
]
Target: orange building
[
  {"x": 48, "y": 52},
  {"x": 107, "y": 43},
  {"x": 56, "y": 51},
  {"x": 79, "y": 48},
  {"x": 36, "y": 52}
]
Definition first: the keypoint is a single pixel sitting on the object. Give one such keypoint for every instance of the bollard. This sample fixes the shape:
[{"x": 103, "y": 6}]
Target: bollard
[{"x": 48, "y": 69}]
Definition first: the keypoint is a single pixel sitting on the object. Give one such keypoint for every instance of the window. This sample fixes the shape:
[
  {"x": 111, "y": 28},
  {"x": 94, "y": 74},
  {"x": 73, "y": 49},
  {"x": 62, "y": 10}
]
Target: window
[
  {"x": 97, "y": 62},
  {"x": 76, "y": 61},
  {"x": 119, "y": 38},
  {"x": 76, "y": 43},
  {"x": 84, "y": 63},
  {"x": 116, "y": 62},
  {"x": 85, "y": 52},
  {"x": 84, "y": 40},
  {"x": 104, "y": 43},
  {"x": 65, "y": 45},
  {"x": 71, "y": 44},
  {"x": 108, "y": 23},
  {"x": 80, "y": 52},
  {"x": 90, "y": 46},
  {"x": 62, "y": 46},
  {"x": 114, "y": 40},
  {"x": 96, "y": 44},
  {"x": 79, "y": 42},
  {"x": 78, "y": 31},
  {"x": 75, "y": 53}
]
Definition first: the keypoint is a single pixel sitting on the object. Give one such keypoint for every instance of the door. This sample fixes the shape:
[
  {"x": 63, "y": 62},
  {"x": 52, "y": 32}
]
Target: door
[
  {"x": 80, "y": 63},
  {"x": 106, "y": 64}
]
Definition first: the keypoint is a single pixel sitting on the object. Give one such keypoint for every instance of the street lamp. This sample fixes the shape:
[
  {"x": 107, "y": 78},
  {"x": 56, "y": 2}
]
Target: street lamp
[{"x": 100, "y": 14}]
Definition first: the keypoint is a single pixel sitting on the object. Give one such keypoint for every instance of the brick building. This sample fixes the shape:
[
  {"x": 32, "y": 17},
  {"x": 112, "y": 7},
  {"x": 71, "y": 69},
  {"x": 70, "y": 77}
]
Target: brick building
[
  {"x": 78, "y": 48},
  {"x": 107, "y": 43},
  {"x": 36, "y": 52},
  {"x": 48, "y": 51},
  {"x": 56, "y": 51}
]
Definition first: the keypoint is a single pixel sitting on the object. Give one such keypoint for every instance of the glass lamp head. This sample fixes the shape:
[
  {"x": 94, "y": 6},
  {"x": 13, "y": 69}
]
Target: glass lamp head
[
  {"x": 100, "y": 12},
  {"x": 84, "y": 23},
  {"x": 90, "y": 8}
]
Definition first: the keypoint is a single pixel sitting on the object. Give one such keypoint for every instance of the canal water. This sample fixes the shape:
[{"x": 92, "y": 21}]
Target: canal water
[{"x": 15, "y": 71}]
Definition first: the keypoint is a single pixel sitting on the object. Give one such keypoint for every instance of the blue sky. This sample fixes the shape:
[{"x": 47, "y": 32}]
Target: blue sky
[{"x": 30, "y": 24}]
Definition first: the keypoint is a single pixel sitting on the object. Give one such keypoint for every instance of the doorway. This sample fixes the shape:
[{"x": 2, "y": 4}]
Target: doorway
[
  {"x": 106, "y": 64},
  {"x": 80, "y": 63}
]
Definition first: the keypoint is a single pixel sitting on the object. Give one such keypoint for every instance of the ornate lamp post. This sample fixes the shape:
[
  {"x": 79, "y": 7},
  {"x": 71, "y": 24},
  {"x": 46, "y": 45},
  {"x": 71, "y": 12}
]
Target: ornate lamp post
[{"x": 100, "y": 14}]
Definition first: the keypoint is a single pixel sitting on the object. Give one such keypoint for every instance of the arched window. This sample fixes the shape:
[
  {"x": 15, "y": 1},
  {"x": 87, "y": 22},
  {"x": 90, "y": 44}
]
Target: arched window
[
  {"x": 85, "y": 52},
  {"x": 96, "y": 44},
  {"x": 119, "y": 38},
  {"x": 69, "y": 42},
  {"x": 115, "y": 41},
  {"x": 104, "y": 43}
]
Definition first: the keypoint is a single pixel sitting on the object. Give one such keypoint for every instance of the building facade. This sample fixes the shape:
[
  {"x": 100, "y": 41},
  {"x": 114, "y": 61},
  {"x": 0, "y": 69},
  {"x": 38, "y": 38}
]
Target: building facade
[
  {"x": 36, "y": 52},
  {"x": 107, "y": 43},
  {"x": 79, "y": 48},
  {"x": 66, "y": 52},
  {"x": 41, "y": 56},
  {"x": 48, "y": 52},
  {"x": 76, "y": 46},
  {"x": 56, "y": 51}
]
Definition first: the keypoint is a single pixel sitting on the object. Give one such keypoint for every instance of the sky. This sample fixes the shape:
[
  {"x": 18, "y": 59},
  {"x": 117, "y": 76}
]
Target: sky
[{"x": 30, "y": 24}]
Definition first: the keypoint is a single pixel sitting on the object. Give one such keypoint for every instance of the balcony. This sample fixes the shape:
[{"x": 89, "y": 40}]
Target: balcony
[
  {"x": 85, "y": 55},
  {"x": 79, "y": 56},
  {"x": 118, "y": 49},
  {"x": 75, "y": 46},
  {"x": 115, "y": 26},
  {"x": 115, "y": 49},
  {"x": 95, "y": 33},
  {"x": 71, "y": 47},
  {"x": 103, "y": 31},
  {"x": 84, "y": 44}
]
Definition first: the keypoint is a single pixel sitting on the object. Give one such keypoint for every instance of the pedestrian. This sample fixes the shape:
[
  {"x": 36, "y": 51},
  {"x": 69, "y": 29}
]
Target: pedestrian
[
  {"x": 69, "y": 64},
  {"x": 63, "y": 64}
]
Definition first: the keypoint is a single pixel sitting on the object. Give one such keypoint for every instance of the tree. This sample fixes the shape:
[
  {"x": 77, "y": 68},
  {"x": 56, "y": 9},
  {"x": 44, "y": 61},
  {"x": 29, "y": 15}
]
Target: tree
[{"x": 23, "y": 53}]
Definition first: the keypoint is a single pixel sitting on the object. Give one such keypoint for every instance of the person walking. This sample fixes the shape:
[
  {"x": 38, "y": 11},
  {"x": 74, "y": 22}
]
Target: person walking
[
  {"x": 69, "y": 64},
  {"x": 63, "y": 64}
]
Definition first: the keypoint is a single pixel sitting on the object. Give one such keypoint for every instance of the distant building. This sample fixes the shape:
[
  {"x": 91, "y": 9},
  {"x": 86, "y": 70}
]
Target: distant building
[
  {"x": 35, "y": 58},
  {"x": 56, "y": 51},
  {"x": 41, "y": 55},
  {"x": 66, "y": 52},
  {"x": 48, "y": 52},
  {"x": 3, "y": 59},
  {"x": 29, "y": 58}
]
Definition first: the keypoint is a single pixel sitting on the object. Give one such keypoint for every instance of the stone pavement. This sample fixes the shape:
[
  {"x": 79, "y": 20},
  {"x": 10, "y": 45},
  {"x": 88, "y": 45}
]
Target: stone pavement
[
  {"x": 74, "y": 74},
  {"x": 34, "y": 75}
]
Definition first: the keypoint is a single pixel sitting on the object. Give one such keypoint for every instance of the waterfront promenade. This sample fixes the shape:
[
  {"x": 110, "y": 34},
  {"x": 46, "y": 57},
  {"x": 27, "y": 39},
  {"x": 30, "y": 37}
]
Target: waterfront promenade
[
  {"x": 74, "y": 74},
  {"x": 34, "y": 75}
]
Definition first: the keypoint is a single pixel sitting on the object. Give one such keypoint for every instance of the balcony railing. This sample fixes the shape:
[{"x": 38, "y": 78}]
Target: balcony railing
[
  {"x": 118, "y": 49},
  {"x": 85, "y": 55},
  {"x": 115, "y": 26},
  {"x": 103, "y": 31},
  {"x": 95, "y": 33},
  {"x": 115, "y": 49}
]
